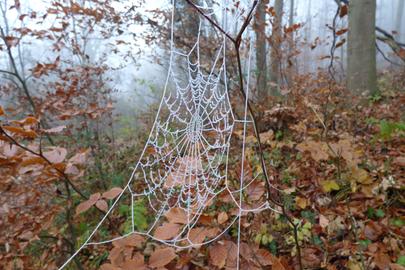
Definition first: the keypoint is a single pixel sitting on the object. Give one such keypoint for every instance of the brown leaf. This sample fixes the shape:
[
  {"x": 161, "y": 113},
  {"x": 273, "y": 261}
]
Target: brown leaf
[
  {"x": 218, "y": 255},
  {"x": 133, "y": 240},
  {"x": 86, "y": 205},
  {"x": 255, "y": 190},
  {"x": 198, "y": 235},
  {"x": 11, "y": 41},
  {"x": 176, "y": 215},
  {"x": 108, "y": 266},
  {"x": 372, "y": 231},
  {"x": 382, "y": 260},
  {"x": 264, "y": 257},
  {"x": 222, "y": 218},
  {"x": 318, "y": 150},
  {"x": 167, "y": 231},
  {"x": 56, "y": 155},
  {"x": 161, "y": 257},
  {"x": 102, "y": 205},
  {"x": 112, "y": 193},
  {"x": 79, "y": 158},
  {"x": 1, "y": 111},
  {"x": 55, "y": 130},
  {"x": 137, "y": 262},
  {"x": 343, "y": 11},
  {"x": 30, "y": 134}
]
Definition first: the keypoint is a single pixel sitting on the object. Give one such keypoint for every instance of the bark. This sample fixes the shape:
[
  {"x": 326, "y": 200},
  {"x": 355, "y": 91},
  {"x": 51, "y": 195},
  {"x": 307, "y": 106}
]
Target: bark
[
  {"x": 400, "y": 14},
  {"x": 261, "y": 61},
  {"x": 361, "y": 65},
  {"x": 291, "y": 44},
  {"x": 276, "y": 40}
]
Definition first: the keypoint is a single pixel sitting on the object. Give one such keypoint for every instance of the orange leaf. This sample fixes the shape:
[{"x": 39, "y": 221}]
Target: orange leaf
[
  {"x": 1, "y": 111},
  {"x": 341, "y": 31},
  {"x": 176, "y": 215},
  {"x": 22, "y": 132},
  {"x": 167, "y": 231},
  {"x": 112, "y": 193},
  {"x": 86, "y": 205},
  {"x": 102, "y": 205},
  {"x": 343, "y": 11},
  {"x": 161, "y": 257},
  {"x": 31, "y": 161}
]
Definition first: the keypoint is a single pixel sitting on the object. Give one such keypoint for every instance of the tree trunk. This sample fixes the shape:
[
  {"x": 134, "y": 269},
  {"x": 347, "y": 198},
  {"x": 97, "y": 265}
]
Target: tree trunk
[
  {"x": 291, "y": 63},
  {"x": 261, "y": 61},
  {"x": 400, "y": 14},
  {"x": 276, "y": 40},
  {"x": 361, "y": 64}
]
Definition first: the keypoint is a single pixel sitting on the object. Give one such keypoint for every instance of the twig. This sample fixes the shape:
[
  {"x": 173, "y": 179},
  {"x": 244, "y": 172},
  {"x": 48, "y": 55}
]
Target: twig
[
  {"x": 237, "y": 43},
  {"x": 62, "y": 173}
]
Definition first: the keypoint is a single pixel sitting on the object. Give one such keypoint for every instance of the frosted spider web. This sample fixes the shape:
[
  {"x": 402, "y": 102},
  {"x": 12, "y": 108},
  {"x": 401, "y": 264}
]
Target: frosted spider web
[{"x": 183, "y": 167}]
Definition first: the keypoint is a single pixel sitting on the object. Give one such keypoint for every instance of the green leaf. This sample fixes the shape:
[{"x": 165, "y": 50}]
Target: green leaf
[
  {"x": 397, "y": 222},
  {"x": 401, "y": 260},
  {"x": 329, "y": 185},
  {"x": 379, "y": 213}
]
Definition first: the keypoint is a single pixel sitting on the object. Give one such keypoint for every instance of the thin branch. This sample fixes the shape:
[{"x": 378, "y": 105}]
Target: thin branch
[{"x": 237, "y": 43}]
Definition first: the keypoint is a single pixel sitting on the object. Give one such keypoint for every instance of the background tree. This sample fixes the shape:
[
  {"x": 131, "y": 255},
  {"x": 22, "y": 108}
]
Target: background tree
[
  {"x": 261, "y": 42},
  {"x": 361, "y": 59},
  {"x": 276, "y": 41}
]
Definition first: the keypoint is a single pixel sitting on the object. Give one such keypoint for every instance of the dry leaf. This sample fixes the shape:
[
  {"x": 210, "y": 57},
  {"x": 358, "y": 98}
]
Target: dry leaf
[
  {"x": 112, "y": 193},
  {"x": 176, "y": 215},
  {"x": 218, "y": 255},
  {"x": 133, "y": 240},
  {"x": 56, "y": 155},
  {"x": 161, "y": 257},
  {"x": 86, "y": 205},
  {"x": 167, "y": 231},
  {"x": 137, "y": 262},
  {"x": 102, "y": 205},
  {"x": 222, "y": 218},
  {"x": 318, "y": 150}
]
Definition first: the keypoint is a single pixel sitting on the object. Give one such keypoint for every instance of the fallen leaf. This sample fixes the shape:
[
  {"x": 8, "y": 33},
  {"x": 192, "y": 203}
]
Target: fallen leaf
[
  {"x": 176, "y": 215},
  {"x": 222, "y": 218},
  {"x": 318, "y": 150},
  {"x": 112, "y": 193},
  {"x": 56, "y": 155},
  {"x": 329, "y": 185},
  {"x": 55, "y": 130},
  {"x": 137, "y": 262},
  {"x": 161, "y": 257},
  {"x": 301, "y": 202},
  {"x": 167, "y": 231},
  {"x": 102, "y": 205},
  {"x": 218, "y": 255}
]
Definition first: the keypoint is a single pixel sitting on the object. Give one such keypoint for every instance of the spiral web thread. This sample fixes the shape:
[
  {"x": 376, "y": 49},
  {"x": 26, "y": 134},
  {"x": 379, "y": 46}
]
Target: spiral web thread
[{"x": 184, "y": 164}]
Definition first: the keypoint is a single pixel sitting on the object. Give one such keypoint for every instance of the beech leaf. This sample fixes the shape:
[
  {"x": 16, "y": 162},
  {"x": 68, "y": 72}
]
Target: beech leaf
[
  {"x": 161, "y": 257},
  {"x": 112, "y": 193},
  {"x": 167, "y": 231}
]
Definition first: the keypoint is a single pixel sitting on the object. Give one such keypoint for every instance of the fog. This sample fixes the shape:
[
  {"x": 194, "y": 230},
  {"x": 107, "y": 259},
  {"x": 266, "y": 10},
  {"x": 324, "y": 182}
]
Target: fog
[{"x": 138, "y": 80}]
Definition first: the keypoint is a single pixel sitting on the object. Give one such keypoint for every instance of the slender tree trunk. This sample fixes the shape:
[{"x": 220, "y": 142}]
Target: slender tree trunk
[
  {"x": 361, "y": 65},
  {"x": 291, "y": 44},
  {"x": 400, "y": 14},
  {"x": 276, "y": 40},
  {"x": 261, "y": 61}
]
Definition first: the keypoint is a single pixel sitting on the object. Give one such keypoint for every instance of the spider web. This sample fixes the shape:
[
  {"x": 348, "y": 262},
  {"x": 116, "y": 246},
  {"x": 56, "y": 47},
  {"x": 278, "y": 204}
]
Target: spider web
[{"x": 183, "y": 169}]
